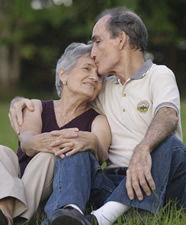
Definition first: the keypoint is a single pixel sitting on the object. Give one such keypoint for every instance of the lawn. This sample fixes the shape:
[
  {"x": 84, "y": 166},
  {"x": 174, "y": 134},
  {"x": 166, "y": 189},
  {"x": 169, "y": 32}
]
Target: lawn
[{"x": 171, "y": 217}]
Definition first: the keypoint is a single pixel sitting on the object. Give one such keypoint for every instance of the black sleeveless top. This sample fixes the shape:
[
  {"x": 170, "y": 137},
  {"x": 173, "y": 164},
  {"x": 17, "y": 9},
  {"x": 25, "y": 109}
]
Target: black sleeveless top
[{"x": 83, "y": 122}]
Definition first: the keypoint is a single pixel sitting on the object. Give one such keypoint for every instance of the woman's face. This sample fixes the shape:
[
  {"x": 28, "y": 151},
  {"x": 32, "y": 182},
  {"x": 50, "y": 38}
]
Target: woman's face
[{"x": 83, "y": 79}]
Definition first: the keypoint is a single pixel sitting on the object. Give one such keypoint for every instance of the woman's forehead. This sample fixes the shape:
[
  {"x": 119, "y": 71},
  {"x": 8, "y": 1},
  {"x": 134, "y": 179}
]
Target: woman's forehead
[{"x": 86, "y": 60}]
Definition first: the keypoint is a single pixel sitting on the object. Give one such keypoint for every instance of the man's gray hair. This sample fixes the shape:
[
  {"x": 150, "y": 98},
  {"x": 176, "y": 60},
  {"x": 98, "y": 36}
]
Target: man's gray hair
[
  {"x": 123, "y": 19},
  {"x": 69, "y": 59}
]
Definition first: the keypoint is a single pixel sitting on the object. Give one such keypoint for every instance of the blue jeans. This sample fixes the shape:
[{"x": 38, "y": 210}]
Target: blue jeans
[{"x": 79, "y": 179}]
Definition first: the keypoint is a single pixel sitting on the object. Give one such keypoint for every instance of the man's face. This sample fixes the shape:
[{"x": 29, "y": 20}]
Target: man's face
[{"x": 105, "y": 51}]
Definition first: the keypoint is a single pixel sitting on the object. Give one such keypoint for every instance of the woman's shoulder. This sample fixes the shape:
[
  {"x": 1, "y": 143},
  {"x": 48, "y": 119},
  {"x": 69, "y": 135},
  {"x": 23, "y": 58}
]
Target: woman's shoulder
[{"x": 47, "y": 104}]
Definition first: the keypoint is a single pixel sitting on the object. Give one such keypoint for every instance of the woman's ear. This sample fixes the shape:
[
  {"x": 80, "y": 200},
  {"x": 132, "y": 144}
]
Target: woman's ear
[
  {"x": 61, "y": 73},
  {"x": 62, "y": 76},
  {"x": 123, "y": 39}
]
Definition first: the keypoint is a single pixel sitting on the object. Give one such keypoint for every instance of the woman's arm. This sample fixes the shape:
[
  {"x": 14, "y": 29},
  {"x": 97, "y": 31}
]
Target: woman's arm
[
  {"x": 30, "y": 128},
  {"x": 101, "y": 129},
  {"x": 31, "y": 139},
  {"x": 98, "y": 140}
]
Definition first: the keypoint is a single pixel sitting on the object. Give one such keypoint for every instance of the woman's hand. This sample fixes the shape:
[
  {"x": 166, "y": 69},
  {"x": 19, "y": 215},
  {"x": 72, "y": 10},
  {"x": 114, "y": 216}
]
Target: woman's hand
[
  {"x": 97, "y": 141},
  {"x": 32, "y": 144},
  {"x": 70, "y": 143}
]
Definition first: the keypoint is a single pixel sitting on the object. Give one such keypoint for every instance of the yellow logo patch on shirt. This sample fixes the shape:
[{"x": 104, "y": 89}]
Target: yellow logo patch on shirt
[{"x": 143, "y": 106}]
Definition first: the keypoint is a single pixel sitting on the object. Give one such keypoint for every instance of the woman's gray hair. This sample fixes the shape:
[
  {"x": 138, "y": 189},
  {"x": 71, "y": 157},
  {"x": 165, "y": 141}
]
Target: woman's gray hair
[
  {"x": 123, "y": 19},
  {"x": 69, "y": 59}
]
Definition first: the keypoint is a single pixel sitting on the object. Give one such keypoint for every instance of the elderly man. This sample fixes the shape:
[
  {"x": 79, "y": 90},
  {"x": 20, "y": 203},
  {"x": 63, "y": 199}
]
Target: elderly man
[{"x": 146, "y": 163}]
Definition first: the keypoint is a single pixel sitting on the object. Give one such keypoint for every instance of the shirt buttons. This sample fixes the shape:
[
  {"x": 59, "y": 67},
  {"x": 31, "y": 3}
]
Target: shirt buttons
[{"x": 124, "y": 94}]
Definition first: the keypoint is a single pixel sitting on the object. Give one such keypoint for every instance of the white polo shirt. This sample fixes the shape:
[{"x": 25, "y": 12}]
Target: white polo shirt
[{"x": 131, "y": 107}]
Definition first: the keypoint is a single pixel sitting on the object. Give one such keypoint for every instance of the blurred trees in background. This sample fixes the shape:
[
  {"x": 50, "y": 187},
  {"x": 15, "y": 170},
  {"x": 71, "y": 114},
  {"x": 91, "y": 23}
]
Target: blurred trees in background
[{"x": 34, "y": 33}]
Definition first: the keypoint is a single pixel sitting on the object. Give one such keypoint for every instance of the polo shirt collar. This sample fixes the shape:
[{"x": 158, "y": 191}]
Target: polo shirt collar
[{"x": 142, "y": 71}]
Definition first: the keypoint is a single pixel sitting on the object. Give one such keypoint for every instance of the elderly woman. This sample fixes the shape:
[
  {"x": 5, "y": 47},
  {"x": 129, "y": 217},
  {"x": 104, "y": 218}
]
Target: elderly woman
[{"x": 77, "y": 83}]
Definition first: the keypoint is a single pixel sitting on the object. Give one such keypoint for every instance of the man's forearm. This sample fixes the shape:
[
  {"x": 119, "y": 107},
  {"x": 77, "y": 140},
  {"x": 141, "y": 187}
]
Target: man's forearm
[
  {"x": 139, "y": 170},
  {"x": 163, "y": 124}
]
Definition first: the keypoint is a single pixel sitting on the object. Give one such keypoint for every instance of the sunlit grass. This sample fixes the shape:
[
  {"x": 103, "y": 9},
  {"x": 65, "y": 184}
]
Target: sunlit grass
[
  {"x": 169, "y": 215},
  {"x": 7, "y": 135}
]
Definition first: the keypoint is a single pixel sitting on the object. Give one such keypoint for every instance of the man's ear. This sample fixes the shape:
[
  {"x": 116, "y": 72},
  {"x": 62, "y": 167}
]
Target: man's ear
[{"x": 123, "y": 39}]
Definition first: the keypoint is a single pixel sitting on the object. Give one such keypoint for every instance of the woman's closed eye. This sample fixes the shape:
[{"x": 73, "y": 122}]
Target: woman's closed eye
[{"x": 86, "y": 68}]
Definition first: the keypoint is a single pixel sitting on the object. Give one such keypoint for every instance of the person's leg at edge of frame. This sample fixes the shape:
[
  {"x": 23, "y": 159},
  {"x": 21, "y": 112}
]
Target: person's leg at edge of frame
[
  {"x": 11, "y": 186},
  {"x": 176, "y": 188},
  {"x": 37, "y": 180}
]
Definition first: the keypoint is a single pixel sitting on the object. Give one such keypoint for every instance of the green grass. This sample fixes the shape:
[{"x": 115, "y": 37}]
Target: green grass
[
  {"x": 7, "y": 135},
  {"x": 183, "y": 119},
  {"x": 168, "y": 216}
]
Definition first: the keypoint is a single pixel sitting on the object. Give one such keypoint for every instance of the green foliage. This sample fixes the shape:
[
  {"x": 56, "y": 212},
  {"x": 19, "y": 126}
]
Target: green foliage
[
  {"x": 161, "y": 19},
  {"x": 43, "y": 34}
]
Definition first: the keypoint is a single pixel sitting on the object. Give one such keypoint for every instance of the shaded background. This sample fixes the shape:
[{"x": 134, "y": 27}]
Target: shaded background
[{"x": 34, "y": 33}]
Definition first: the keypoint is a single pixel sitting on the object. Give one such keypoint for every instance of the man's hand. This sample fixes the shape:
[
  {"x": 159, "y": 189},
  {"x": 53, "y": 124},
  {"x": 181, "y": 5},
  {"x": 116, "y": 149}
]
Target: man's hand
[
  {"x": 139, "y": 174},
  {"x": 15, "y": 112}
]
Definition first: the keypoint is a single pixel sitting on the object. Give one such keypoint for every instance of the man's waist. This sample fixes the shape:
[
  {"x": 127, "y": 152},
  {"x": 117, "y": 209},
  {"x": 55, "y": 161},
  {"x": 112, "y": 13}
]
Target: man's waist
[{"x": 116, "y": 171}]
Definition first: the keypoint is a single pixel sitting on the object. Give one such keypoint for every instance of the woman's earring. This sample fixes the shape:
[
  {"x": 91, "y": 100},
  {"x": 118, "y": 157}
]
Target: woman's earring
[{"x": 64, "y": 82}]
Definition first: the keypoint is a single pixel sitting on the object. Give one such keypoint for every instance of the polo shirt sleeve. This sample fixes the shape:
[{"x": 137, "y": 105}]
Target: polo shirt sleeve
[{"x": 164, "y": 89}]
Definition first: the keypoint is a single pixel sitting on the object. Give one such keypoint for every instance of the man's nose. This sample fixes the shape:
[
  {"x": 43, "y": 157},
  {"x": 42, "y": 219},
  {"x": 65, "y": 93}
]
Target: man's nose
[{"x": 93, "y": 55}]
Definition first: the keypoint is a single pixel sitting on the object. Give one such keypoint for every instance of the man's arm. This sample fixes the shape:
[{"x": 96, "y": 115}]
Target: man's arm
[
  {"x": 16, "y": 112},
  {"x": 139, "y": 175}
]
